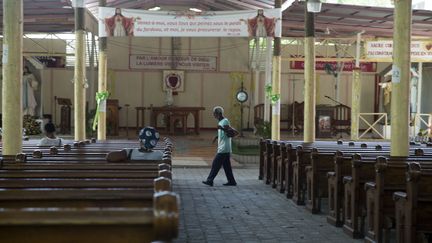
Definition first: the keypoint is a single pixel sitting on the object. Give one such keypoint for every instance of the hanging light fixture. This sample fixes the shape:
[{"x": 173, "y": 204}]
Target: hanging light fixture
[
  {"x": 195, "y": 10},
  {"x": 157, "y": 8},
  {"x": 314, "y": 6}
]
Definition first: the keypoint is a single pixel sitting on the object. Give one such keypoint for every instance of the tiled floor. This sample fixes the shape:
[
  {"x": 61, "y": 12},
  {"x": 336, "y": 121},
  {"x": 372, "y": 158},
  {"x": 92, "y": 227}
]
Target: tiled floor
[{"x": 249, "y": 212}]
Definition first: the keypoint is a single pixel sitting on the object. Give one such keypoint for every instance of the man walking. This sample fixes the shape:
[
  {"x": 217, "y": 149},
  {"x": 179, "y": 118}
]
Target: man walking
[{"x": 222, "y": 157}]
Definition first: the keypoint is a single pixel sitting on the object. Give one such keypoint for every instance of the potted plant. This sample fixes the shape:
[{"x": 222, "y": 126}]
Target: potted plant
[{"x": 263, "y": 129}]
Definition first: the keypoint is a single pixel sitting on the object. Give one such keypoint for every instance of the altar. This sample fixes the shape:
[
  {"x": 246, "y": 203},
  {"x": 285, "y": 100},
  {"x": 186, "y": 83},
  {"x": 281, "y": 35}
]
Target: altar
[{"x": 176, "y": 113}]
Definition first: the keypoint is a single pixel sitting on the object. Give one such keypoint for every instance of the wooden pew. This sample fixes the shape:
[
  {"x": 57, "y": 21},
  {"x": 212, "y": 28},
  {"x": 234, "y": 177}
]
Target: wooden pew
[
  {"x": 322, "y": 162},
  {"x": 335, "y": 182},
  {"x": 84, "y": 174},
  {"x": 413, "y": 206},
  {"x": 85, "y": 225},
  {"x": 276, "y": 148},
  {"x": 268, "y": 153},
  {"x": 262, "y": 145},
  {"x": 92, "y": 192},
  {"x": 291, "y": 157},
  {"x": 389, "y": 178},
  {"x": 299, "y": 180},
  {"x": 280, "y": 168},
  {"x": 158, "y": 184},
  {"x": 342, "y": 167},
  {"x": 363, "y": 170},
  {"x": 312, "y": 166},
  {"x": 316, "y": 178}
]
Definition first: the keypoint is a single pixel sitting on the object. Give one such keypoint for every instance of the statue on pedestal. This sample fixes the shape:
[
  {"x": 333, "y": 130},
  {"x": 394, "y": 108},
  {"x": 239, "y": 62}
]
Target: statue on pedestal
[
  {"x": 414, "y": 91},
  {"x": 169, "y": 101},
  {"x": 30, "y": 85}
]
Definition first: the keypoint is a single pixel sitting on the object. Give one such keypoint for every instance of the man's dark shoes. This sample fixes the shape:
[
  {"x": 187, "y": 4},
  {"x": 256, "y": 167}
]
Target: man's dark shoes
[
  {"x": 208, "y": 183},
  {"x": 230, "y": 184}
]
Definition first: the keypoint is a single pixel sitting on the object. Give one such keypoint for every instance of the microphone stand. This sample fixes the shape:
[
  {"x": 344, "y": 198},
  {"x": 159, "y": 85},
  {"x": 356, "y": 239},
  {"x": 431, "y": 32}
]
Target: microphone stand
[{"x": 337, "y": 102}]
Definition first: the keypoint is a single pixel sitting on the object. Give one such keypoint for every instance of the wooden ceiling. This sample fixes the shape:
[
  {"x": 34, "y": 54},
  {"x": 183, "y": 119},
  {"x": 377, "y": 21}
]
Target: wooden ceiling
[
  {"x": 337, "y": 20},
  {"x": 334, "y": 20},
  {"x": 46, "y": 16}
]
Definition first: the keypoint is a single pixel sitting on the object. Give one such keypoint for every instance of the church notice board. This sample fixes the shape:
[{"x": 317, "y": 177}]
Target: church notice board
[{"x": 323, "y": 122}]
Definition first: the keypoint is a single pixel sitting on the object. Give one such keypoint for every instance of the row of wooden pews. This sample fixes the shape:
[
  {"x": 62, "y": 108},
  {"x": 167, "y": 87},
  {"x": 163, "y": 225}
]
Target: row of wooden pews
[
  {"x": 369, "y": 193},
  {"x": 72, "y": 194}
]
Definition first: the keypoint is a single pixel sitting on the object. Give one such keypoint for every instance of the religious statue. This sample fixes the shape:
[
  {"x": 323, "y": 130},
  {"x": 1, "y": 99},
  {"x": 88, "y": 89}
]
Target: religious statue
[
  {"x": 414, "y": 91},
  {"x": 169, "y": 98},
  {"x": 387, "y": 89},
  {"x": 30, "y": 85},
  {"x": 119, "y": 25},
  {"x": 261, "y": 26}
]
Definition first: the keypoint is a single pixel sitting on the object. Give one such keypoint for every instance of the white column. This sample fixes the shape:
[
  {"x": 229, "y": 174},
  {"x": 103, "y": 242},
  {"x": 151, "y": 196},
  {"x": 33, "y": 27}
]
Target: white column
[
  {"x": 268, "y": 77},
  {"x": 12, "y": 120}
]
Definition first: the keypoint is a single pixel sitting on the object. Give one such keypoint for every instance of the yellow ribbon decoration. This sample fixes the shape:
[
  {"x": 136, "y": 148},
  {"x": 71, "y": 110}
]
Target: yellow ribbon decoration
[{"x": 100, "y": 96}]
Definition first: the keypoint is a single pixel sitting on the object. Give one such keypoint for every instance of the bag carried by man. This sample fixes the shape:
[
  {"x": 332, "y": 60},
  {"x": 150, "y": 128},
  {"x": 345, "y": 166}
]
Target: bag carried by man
[{"x": 229, "y": 131}]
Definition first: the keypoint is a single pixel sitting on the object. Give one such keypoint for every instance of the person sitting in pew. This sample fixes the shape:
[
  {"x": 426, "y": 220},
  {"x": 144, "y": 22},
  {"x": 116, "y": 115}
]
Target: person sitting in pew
[
  {"x": 148, "y": 138},
  {"x": 50, "y": 138}
]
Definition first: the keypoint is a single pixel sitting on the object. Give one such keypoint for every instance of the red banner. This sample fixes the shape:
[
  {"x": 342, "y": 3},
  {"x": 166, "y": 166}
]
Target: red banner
[{"x": 369, "y": 67}]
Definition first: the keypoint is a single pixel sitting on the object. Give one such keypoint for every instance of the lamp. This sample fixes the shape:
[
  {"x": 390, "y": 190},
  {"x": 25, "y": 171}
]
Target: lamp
[
  {"x": 313, "y": 6},
  {"x": 157, "y": 8},
  {"x": 195, "y": 10}
]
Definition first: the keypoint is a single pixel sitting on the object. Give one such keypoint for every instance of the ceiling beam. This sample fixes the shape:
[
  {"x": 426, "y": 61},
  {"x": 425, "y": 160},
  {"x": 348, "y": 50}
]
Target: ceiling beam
[
  {"x": 351, "y": 29},
  {"x": 259, "y": 3},
  {"x": 242, "y": 4},
  {"x": 217, "y": 5}
]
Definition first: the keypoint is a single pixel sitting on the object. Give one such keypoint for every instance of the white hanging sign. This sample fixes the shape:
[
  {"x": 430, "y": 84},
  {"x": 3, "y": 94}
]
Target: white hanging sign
[
  {"x": 119, "y": 22},
  {"x": 102, "y": 106},
  {"x": 382, "y": 51}
]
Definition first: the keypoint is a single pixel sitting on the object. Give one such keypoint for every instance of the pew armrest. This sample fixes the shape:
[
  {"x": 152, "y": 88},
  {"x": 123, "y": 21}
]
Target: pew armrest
[
  {"x": 399, "y": 195},
  {"x": 117, "y": 156},
  {"x": 347, "y": 179},
  {"x": 369, "y": 185},
  {"x": 331, "y": 174}
]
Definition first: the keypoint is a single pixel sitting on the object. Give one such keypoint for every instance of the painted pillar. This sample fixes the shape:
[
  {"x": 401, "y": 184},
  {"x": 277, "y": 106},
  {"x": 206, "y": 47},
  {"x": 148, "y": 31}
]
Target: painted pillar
[
  {"x": 92, "y": 74},
  {"x": 268, "y": 77},
  {"x": 257, "y": 87},
  {"x": 356, "y": 93},
  {"x": 310, "y": 86},
  {"x": 276, "y": 85},
  {"x": 79, "y": 74},
  {"x": 12, "y": 122},
  {"x": 419, "y": 87},
  {"x": 401, "y": 78},
  {"x": 102, "y": 82}
]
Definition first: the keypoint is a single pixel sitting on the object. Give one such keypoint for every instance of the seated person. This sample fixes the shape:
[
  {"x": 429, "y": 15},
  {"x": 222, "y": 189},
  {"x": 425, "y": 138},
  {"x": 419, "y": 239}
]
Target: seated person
[
  {"x": 131, "y": 154},
  {"x": 50, "y": 139}
]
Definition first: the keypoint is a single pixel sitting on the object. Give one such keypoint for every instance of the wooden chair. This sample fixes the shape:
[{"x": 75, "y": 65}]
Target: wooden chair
[
  {"x": 342, "y": 119},
  {"x": 178, "y": 117},
  {"x": 258, "y": 114},
  {"x": 299, "y": 115},
  {"x": 286, "y": 114}
]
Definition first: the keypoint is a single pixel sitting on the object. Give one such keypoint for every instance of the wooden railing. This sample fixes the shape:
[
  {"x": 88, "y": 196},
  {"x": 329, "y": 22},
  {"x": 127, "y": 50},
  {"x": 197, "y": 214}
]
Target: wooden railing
[
  {"x": 422, "y": 119},
  {"x": 373, "y": 126}
]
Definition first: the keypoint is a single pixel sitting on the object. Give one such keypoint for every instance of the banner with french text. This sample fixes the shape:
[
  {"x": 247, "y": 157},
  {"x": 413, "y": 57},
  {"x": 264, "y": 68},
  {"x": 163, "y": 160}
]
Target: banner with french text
[
  {"x": 202, "y": 63},
  {"x": 382, "y": 51},
  {"x": 118, "y": 22}
]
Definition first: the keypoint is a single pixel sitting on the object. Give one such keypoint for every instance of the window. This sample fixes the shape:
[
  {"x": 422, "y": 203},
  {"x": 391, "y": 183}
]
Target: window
[
  {"x": 70, "y": 49},
  {"x": 69, "y": 39}
]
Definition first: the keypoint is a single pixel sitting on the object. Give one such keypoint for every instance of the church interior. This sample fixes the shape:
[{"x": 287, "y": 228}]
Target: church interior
[{"x": 118, "y": 115}]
